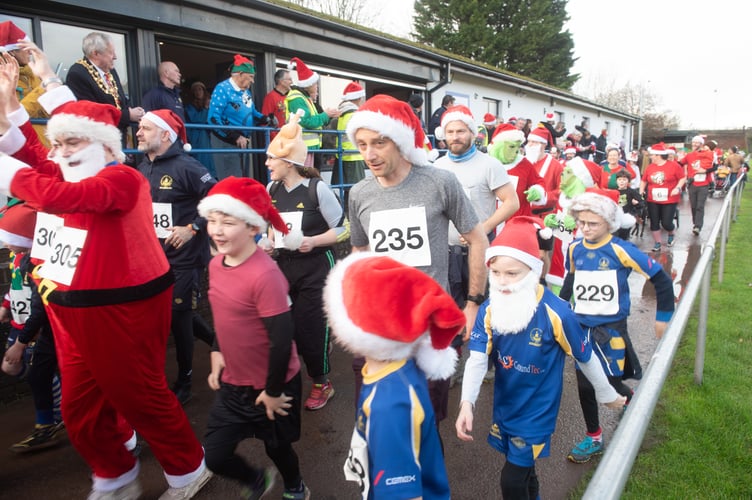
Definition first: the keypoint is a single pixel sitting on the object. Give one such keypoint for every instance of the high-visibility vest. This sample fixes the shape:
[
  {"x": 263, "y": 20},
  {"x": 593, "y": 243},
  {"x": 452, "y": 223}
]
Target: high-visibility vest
[
  {"x": 312, "y": 139},
  {"x": 346, "y": 144}
]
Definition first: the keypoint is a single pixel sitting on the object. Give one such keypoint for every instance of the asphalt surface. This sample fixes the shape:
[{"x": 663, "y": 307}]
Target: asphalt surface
[{"x": 473, "y": 468}]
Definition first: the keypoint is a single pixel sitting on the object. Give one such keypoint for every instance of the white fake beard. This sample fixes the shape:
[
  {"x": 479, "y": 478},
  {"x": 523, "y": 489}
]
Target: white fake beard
[
  {"x": 533, "y": 152},
  {"x": 511, "y": 312},
  {"x": 89, "y": 161}
]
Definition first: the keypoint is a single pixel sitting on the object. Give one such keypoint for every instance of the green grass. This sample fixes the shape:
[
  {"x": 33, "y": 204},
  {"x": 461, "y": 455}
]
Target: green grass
[{"x": 699, "y": 443}]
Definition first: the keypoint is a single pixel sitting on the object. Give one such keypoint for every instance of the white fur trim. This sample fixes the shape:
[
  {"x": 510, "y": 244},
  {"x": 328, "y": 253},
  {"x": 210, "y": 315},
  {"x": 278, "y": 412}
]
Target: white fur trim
[
  {"x": 626, "y": 220},
  {"x": 294, "y": 239},
  {"x": 510, "y": 135},
  {"x": 15, "y": 239},
  {"x": 436, "y": 364},
  {"x": 68, "y": 125},
  {"x": 53, "y": 99},
  {"x": 698, "y": 138},
  {"x": 12, "y": 141},
  {"x": 459, "y": 116},
  {"x": 228, "y": 205},
  {"x": 351, "y": 96},
  {"x": 399, "y": 132},
  {"x": 9, "y": 167},
  {"x": 600, "y": 205},
  {"x": 579, "y": 169},
  {"x": 18, "y": 117},
  {"x": 309, "y": 81},
  {"x": 531, "y": 261},
  {"x": 348, "y": 334}
]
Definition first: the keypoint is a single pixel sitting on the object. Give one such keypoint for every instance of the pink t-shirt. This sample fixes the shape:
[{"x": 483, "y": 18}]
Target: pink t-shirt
[{"x": 240, "y": 296}]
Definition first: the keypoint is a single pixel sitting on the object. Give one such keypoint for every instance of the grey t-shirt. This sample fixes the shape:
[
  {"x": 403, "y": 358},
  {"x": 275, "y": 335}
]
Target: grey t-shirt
[{"x": 430, "y": 198}]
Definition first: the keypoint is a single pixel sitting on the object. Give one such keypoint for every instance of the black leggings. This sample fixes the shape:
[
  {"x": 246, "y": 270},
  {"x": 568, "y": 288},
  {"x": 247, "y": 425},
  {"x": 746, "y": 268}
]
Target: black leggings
[
  {"x": 661, "y": 215},
  {"x": 519, "y": 483},
  {"x": 589, "y": 404}
]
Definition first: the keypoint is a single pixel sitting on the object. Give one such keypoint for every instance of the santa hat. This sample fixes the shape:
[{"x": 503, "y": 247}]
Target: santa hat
[
  {"x": 539, "y": 134},
  {"x": 241, "y": 64},
  {"x": 603, "y": 202},
  {"x": 489, "y": 119},
  {"x": 671, "y": 150},
  {"x": 247, "y": 200},
  {"x": 550, "y": 116},
  {"x": 455, "y": 113},
  {"x": 288, "y": 143},
  {"x": 168, "y": 120},
  {"x": 306, "y": 77},
  {"x": 395, "y": 120},
  {"x": 658, "y": 149},
  {"x": 10, "y": 34},
  {"x": 570, "y": 151},
  {"x": 507, "y": 132},
  {"x": 382, "y": 309},
  {"x": 87, "y": 120},
  {"x": 519, "y": 240},
  {"x": 17, "y": 225},
  {"x": 512, "y": 120},
  {"x": 353, "y": 92},
  {"x": 699, "y": 138}
]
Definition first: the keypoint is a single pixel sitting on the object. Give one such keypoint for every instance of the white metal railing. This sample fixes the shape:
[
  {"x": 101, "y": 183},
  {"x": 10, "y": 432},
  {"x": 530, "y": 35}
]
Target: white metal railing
[{"x": 616, "y": 465}]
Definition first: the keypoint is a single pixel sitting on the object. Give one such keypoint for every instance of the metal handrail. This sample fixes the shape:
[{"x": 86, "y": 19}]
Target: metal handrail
[{"x": 616, "y": 465}]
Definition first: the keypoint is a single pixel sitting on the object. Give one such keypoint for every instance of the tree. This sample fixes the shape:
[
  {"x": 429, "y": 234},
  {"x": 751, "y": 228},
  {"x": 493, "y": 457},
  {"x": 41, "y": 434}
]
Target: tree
[
  {"x": 525, "y": 37},
  {"x": 348, "y": 10}
]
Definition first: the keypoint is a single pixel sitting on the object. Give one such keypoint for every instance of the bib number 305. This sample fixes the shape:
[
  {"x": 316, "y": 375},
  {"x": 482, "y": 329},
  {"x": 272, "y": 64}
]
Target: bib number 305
[{"x": 64, "y": 255}]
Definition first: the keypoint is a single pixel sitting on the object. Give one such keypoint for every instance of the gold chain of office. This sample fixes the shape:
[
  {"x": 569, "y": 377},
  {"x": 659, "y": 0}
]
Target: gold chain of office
[{"x": 97, "y": 77}]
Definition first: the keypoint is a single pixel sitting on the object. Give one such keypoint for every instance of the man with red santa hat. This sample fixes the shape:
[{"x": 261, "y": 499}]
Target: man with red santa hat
[{"x": 106, "y": 285}]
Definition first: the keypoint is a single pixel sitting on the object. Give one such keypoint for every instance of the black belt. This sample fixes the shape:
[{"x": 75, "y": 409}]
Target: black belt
[{"x": 106, "y": 296}]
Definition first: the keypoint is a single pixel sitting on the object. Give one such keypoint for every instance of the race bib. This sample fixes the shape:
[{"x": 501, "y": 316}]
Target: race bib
[
  {"x": 44, "y": 234},
  {"x": 402, "y": 234},
  {"x": 293, "y": 221},
  {"x": 356, "y": 465},
  {"x": 700, "y": 177},
  {"x": 20, "y": 304},
  {"x": 60, "y": 267},
  {"x": 596, "y": 293},
  {"x": 660, "y": 194},
  {"x": 162, "y": 219}
]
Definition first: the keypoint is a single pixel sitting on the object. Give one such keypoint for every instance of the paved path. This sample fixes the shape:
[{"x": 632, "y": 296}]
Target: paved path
[{"x": 473, "y": 468}]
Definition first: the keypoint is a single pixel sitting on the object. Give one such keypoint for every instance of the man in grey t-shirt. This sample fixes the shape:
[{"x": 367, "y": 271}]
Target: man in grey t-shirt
[{"x": 404, "y": 210}]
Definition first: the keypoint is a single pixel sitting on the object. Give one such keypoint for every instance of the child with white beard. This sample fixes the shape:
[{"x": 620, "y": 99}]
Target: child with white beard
[{"x": 527, "y": 331}]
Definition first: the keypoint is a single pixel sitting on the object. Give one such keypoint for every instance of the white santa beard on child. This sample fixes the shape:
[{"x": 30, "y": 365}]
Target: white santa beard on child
[
  {"x": 82, "y": 164},
  {"x": 512, "y": 311}
]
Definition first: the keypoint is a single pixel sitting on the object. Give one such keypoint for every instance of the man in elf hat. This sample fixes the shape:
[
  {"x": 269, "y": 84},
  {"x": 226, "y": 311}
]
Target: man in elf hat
[
  {"x": 106, "y": 284},
  {"x": 304, "y": 96},
  {"x": 484, "y": 181},
  {"x": 29, "y": 85},
  {"x": 405, "y": 209},
  {"x": 178, "y": 182},
  {"x": 232, "y": 104},
  {"x": 598, "y": 268},
  {"x": 255, "y": 367},
  {"x": 395, "y": 435},
  {"x": 523, "y": 324}
]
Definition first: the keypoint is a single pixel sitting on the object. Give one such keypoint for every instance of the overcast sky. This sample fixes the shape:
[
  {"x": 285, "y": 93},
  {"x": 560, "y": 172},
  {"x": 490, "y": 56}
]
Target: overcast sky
[{"x": 690, "y": 55}]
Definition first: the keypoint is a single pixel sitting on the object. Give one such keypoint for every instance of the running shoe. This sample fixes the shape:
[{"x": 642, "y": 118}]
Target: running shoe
[
  {"x": 43, "y": 436},
  {"x": 656, "y": 247},
  {"x": 263, "y": 485},
  {"x": 131, "y": 491},
  {"x": 301, "y": 493},
  {"x": 320, "y": 395},
  {"x": 585, "y": 450},
  {"x": 190, "y": 489},
  {"x": 695, "y": 230},
  {"x": 670, "y": 240}
]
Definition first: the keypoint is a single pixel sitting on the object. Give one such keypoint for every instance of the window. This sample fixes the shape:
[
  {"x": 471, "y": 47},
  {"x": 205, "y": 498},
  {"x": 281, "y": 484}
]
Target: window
[{"x": 63, "y": 55}]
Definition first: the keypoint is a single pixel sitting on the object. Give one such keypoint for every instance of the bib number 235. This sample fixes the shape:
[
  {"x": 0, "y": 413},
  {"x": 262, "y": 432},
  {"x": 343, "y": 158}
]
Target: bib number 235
[{"x": 401, "y": 234}]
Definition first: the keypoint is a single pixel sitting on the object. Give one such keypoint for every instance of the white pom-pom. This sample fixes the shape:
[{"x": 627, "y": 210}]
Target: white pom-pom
[
  {"x": 187, "y": 147},
  {"x": 293, "y": 239},
  {"x": 439, "y": 134},
  {"x": 437, "y": 365},
  {"x": 626, "y": 221},
  {"x": 546, "y": 233}
]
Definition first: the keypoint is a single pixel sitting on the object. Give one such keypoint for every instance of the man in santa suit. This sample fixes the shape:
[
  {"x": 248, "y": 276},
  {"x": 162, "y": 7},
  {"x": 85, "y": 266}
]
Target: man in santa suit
[
  {"x": 106, "y": 285},
  {"x": 547, "y": 167}
]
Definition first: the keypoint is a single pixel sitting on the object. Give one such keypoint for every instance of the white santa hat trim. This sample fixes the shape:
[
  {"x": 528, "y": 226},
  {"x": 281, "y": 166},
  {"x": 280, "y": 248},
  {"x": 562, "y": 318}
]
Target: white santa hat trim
[
  {"x": 458, "y": 113},
  {"x": 159, "y": 122},
  {"x": 532, "y": 262},
  {"x": 579, "y": 169},
  {"x": 398, "y": 131},
  {"x": 233, "y": 207},
  {"x": 698, "y": 138},
  {"x": 604, "y": 206},
  {"x": 67, "y": 125}
]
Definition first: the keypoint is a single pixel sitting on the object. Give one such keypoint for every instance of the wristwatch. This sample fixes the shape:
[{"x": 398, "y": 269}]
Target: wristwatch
[{"x": 478, "y": 299}]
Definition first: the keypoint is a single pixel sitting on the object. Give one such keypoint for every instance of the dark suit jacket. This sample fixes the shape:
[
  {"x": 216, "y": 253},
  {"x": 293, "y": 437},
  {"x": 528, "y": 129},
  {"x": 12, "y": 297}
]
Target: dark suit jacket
[{"x": 85, "y": 88}]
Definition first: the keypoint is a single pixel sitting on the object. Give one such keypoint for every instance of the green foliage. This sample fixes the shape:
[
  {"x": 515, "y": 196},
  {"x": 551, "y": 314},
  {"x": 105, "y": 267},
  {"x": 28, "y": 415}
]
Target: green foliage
[{"x": 521, "y": 36}]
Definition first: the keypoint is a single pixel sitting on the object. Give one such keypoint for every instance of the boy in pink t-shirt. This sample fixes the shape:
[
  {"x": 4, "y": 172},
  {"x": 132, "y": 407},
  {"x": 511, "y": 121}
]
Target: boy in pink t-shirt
[{"x": 254, "y": 363}]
